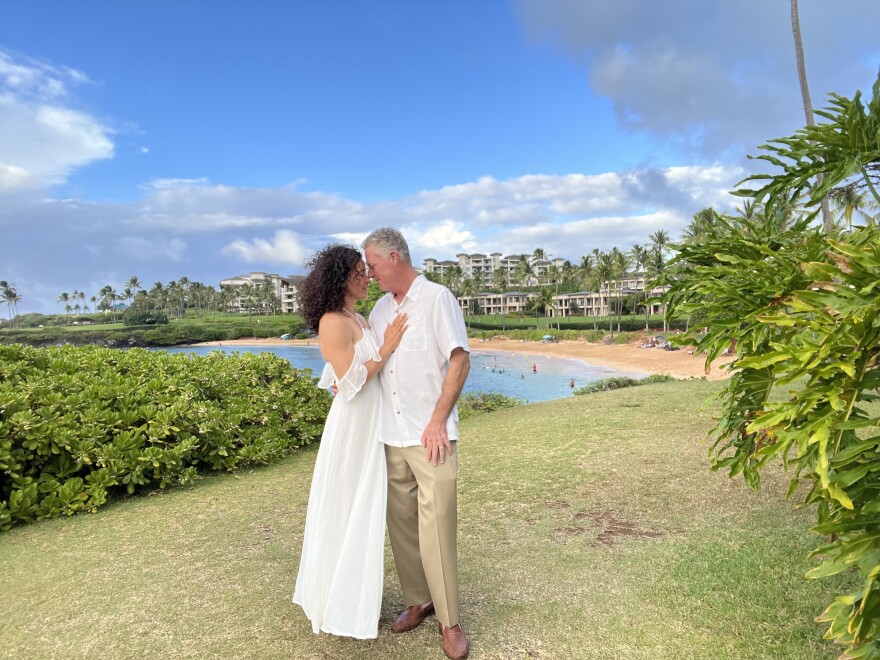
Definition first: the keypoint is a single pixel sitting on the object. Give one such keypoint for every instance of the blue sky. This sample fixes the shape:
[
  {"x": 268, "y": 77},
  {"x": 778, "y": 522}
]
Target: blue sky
[{"x": 165, "y": 139}]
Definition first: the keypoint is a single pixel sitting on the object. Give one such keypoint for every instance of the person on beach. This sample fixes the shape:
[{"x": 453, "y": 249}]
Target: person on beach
[
  {"x": 420, "y": 385},
  {"x": 340, "y": 578}
]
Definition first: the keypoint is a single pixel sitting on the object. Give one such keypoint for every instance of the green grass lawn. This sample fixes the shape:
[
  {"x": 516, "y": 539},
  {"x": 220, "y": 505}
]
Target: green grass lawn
[{"x": 590, "y": 527}]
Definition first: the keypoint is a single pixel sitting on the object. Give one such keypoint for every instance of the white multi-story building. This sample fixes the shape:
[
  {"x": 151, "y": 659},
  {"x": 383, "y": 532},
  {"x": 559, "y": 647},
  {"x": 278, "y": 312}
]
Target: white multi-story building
[
  {"x": 283, "y": 287},
  {"x": 604, "y": 301},
  {"x": 578, "y": 303},
  {"x": 481, "y": 267},
  {"x": 510, "y": 302}
]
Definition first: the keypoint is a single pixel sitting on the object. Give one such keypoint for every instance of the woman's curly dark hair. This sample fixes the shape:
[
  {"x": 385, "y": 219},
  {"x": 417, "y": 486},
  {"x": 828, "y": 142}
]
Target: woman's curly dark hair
[{"x": 323, "y": 289}]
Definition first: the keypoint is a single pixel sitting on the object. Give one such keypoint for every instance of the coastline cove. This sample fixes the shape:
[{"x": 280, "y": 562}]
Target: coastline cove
[{"x": 530, "y": 377}]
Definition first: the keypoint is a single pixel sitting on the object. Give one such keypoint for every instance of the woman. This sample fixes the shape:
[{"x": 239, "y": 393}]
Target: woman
[{"x": 339, "y": 584}]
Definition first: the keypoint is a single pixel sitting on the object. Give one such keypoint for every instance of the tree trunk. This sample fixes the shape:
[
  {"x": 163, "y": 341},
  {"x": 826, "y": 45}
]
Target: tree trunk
[{"x": 827, "y": 223}]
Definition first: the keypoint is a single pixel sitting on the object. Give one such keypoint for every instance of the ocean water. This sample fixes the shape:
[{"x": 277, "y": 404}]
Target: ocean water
[{"x": 511, "y": 374}]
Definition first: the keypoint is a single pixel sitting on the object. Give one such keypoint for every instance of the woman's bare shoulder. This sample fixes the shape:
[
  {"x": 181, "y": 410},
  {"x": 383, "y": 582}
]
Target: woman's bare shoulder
[{"x": 334, "y": 325}]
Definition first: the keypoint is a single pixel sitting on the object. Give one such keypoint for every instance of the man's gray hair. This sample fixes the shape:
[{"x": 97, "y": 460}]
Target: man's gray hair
[{"x": 388, "y": 239}]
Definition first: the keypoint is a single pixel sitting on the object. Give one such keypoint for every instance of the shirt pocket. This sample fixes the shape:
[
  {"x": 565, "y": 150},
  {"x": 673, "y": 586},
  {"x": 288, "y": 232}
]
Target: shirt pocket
[{"x": 414, "y": 339}]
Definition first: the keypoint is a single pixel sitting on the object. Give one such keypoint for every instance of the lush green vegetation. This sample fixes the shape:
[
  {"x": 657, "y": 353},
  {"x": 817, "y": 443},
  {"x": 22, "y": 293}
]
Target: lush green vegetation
[
  {"x": 478, "y": 403},
  {"x": 144, "y": 317},
  {"x": 80, "y": 424},
  {"x": 588, "y": 528},
  {"x": 618, "y": 382},
  {"x": 186, "y": 330},
  {"x": 801, "y": 305}
]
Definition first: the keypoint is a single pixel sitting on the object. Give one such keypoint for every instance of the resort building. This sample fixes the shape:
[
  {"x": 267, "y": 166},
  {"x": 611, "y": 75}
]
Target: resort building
[
  {"x": 481, "y": 267},
  {"x": 511, "y": 302},
  {"x": 578, "y": 303},
  {"x": 604, "y": 301},
  {"x": 284, "y": 289}
]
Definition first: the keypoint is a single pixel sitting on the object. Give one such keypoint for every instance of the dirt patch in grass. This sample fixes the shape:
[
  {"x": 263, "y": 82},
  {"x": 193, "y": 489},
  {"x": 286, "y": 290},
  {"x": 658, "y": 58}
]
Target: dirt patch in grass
[{"x": 608, "y": 529}]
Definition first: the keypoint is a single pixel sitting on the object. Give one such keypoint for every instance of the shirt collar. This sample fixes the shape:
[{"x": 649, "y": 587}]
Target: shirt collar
[{"x": 415, "y": 288}]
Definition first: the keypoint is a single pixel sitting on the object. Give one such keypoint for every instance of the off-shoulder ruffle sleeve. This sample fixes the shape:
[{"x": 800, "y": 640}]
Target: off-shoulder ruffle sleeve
[{"x": 354, "y": 379}]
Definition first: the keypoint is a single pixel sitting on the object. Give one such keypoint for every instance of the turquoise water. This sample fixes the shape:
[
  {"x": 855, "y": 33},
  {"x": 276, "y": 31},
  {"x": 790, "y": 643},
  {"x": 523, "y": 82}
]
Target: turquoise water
[{"x": 512, "y": 375}]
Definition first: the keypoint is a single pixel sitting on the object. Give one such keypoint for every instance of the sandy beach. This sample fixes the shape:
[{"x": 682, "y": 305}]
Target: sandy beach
[{"x": 626, "y": 357}]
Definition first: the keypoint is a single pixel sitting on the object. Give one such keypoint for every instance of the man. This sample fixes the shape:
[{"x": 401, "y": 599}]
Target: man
[{"x": 419, "y": 426}]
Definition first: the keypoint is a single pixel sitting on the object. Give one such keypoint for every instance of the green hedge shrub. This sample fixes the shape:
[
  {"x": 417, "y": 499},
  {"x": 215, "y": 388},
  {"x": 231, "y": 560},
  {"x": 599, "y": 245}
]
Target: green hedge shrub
[
  {"x": 78, "y": 424},
  {"x": 618, "y": 382},
  {"x": 477, "y": 403},
  {"x": 134, "y": 316}
]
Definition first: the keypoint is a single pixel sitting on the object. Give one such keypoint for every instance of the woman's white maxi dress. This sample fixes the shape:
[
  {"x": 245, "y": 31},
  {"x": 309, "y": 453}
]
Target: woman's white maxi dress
[{"x": 339, "y": 584}]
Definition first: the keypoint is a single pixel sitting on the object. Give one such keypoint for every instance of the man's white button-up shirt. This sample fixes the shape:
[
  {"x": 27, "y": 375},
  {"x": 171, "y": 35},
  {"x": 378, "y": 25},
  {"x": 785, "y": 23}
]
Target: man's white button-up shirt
[{"x": 413, "y": 377}]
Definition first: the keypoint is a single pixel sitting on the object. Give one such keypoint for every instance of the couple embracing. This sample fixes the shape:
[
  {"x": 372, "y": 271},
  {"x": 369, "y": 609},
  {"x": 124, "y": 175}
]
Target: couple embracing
[{"x": 388, "y": 451}]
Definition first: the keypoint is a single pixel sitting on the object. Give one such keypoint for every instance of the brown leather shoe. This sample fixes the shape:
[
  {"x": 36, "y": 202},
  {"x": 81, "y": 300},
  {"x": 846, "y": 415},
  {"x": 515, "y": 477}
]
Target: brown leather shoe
[
  {"x": 455, "y": 642},
  {"x": 412, "y": 617}
]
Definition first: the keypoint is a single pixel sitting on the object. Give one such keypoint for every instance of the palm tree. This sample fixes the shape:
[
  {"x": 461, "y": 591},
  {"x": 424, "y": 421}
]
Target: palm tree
[
  {"x": 538, "y": 256},
  {"x": 568, "y": 274},
  {"x": 586, "y": 274},
  {"x": 452, "y": 278},
  {"x": 620, "y": 260},
  {"x": 15, "y": 300},
  {"x": 701, "y": 225},
  {"x": 524, "y": 271},
  {"x": 468, "y": 289},
  {"x": 157, "y": 295},
  {"x": 108, "y": 297},
  {"x": 656, "y": 265},
  {"x": 499, "y": 279},
  {"x": 174, "y": 299},
  {"x": 848, "y": 202},
  {"x": 134, "y": 283},
  {"x": 64, "y": 298},
  {"x": 660, "y": 240},
  {"x": 604, "y": 271},
  {"x": 640, "y": 261},
  {"x": 827, "y": 222},
  {"x": 227, "y": 295},
  {"x": 247, "y": 296},
  {"x": 544, "y": 300},
  {"x": 11, "y": 298}
]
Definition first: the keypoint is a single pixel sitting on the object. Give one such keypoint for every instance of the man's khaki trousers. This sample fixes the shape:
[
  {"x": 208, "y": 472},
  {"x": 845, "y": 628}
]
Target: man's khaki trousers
[{"x": 422, "y": 525}]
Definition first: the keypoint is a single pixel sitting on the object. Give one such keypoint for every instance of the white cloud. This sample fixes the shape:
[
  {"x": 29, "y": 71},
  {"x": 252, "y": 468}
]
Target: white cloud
[
  {"x": 170, "y": 184},
  {"x": 160, "y": 248},
  {"x": 284, "y": 248},
  {"x": 42, "y": 139},
  {"x": 349, "y": 238},
  {"x": 567, "y": 215},
  {"x": 13, "y": 178},
  {"x": 445, "y": 237},
  {"x": 573, "y": 239},
  {"x": 710, "y": 78}
]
